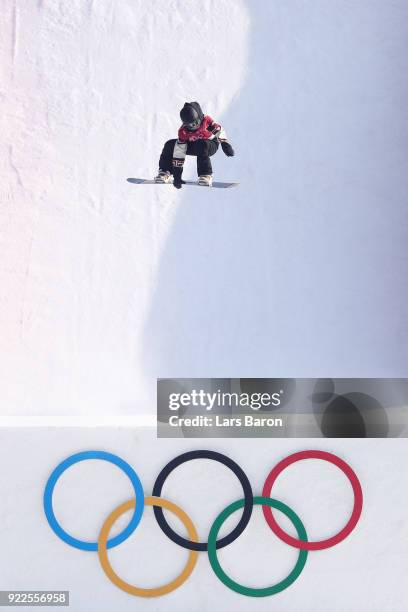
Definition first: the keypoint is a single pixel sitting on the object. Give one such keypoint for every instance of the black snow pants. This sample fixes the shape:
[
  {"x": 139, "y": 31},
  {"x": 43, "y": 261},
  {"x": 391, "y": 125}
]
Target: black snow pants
[{"x": 202, "y": 149}]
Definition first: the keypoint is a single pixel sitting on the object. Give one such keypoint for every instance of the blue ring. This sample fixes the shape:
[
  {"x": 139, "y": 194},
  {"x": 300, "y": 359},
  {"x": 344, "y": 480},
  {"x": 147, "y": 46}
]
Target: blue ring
[{"x": 60, "y": 469}]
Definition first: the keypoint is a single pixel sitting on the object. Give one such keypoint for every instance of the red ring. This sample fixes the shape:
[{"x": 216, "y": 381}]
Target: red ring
[{"x": 355, "y": 515}]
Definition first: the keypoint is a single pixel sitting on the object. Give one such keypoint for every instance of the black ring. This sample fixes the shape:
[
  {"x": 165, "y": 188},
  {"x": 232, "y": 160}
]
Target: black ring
[{"x": 239, "y": 473}]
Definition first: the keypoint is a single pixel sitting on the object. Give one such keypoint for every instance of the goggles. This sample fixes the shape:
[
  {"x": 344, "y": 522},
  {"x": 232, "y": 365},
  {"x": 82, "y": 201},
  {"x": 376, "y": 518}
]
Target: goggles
[{"x": 193, "y": 125}]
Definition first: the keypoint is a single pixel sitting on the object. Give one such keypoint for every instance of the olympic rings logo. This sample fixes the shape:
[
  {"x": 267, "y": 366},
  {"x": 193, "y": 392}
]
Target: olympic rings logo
[{"x": 213, "y": 544}]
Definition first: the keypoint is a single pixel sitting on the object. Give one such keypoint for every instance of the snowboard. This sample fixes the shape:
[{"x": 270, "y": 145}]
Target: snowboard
[{"x": 216, "y": 184}]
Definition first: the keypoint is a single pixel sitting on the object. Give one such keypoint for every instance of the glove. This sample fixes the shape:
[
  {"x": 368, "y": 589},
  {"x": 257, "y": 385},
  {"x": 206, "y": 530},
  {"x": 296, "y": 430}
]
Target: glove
[
  {"x": 178, "y": 182},
  {"x": 228, "y": 150}
]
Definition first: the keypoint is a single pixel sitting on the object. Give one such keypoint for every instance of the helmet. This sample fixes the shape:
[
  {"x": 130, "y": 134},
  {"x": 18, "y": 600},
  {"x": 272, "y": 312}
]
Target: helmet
[{"x": 190, "y": 117}]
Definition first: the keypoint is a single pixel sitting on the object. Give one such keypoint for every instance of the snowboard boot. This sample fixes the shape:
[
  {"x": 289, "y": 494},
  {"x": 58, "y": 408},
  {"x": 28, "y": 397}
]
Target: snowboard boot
[
  {"x": 205, "y": 180},
  {"x": 163, "y": 177}
]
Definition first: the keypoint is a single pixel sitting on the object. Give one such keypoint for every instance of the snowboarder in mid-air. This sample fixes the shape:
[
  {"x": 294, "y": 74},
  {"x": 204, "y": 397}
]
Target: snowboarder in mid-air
[{"x": 198, "y": 135}]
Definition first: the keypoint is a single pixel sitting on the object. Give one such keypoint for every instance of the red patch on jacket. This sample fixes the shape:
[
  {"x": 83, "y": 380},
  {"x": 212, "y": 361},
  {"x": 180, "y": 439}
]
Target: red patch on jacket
[{"x": 202, "y": 133}]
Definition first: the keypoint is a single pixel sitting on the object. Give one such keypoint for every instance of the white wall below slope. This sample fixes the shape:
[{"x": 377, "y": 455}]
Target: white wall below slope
[{"x": 365, "y": 572}]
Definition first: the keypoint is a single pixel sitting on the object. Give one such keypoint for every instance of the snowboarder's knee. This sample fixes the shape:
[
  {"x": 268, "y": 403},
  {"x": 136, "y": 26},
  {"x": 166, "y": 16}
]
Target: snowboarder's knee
[
  {"x": 169, "y": 145},
  {"x": 202, "y": 147}
]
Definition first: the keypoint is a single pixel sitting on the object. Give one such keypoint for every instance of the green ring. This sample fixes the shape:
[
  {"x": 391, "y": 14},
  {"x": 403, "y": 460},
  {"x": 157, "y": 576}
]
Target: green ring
[{"x": 239, "y": 588}]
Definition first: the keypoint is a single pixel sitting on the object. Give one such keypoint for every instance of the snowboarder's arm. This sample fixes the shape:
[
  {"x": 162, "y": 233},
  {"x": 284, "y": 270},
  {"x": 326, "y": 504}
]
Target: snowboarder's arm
[
  {"x": 177, "y": 162},
  {"x": 179, "y": 154},
  {"x": 217, "y": 129},
  {"x": 221, "y": 135}
]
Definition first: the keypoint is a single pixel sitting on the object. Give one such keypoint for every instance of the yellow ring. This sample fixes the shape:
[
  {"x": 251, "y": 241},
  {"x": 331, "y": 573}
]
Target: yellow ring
[{"x": 130, "y": 588}]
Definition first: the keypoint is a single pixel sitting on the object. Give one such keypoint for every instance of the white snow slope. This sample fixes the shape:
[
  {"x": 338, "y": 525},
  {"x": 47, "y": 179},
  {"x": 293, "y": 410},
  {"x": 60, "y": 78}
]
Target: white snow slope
[{"x": 301, "y": 271}]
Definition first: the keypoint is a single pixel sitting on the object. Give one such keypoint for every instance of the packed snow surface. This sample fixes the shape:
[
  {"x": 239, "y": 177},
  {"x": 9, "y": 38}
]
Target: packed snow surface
[{"x": 300, "y": 271}]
